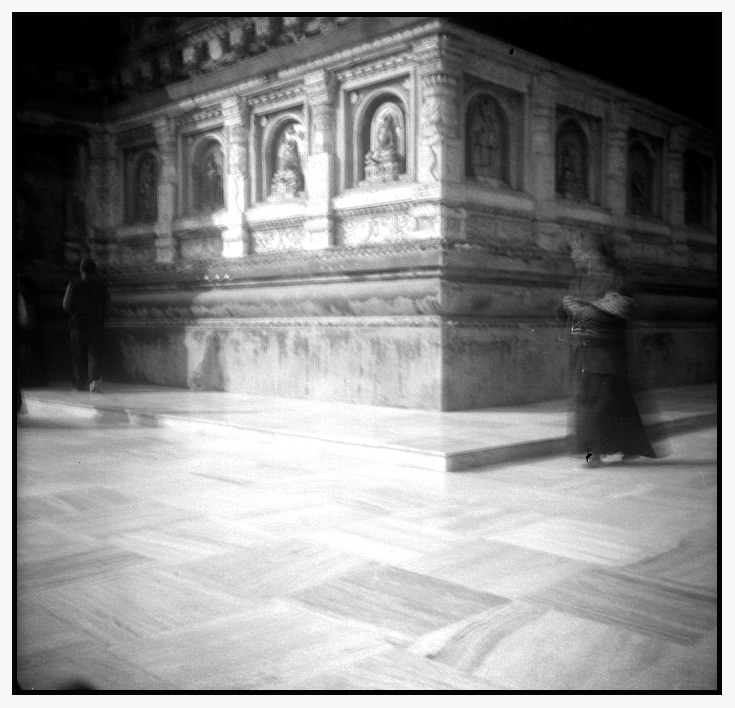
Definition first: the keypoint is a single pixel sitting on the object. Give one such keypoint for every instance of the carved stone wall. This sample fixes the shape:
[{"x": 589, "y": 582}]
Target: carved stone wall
[{"x": 380, "y": 210}]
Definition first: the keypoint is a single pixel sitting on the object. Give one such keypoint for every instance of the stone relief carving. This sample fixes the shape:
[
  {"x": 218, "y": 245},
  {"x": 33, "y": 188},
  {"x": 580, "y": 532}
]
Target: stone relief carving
[
  {"x": 288, "y": 175},
  {"x": 484, "y": 139},
  {"x": 286, "y": 238},
  {"x": 640, "y": 180},
  {"x": 696, "y": 196},
  {"x": 146, "y": 194},
  {"x": 571, "y": 163},
  {"x": 200, "y": 247},
  {"x": 374, "y": 229},
  {"x": 384, "y": 159}
]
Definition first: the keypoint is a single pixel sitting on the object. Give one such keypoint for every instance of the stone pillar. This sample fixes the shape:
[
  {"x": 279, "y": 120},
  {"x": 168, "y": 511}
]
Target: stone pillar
[
  {"x": 235, "y": 235},
  {"x": 103, "y": 195},
  {"x": 321, "y": 93},
  {"x": 439, "y": 145},
  {"x": 617, "y": 157},
  {"x": 678, "y": 139},
  {"x": 167, "y": 185},
  {"x": 543, "y": 139}
]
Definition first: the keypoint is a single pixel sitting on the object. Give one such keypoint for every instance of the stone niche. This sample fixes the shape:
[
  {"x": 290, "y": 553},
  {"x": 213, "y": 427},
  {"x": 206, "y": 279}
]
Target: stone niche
[
  {"x": 493, "y": 135},
  {"x": 644, "y": 178},
  {"x": 578, "y": 156}
]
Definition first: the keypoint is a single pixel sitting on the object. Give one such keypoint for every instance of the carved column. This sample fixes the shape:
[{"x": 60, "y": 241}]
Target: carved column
[
  {"x": 439, "y": 148},
  {"x": 97, "y": 235},
  {"x": 543, "y": 138},
  {"x": 104, "y": 195},
  {"x": 321, "y": 93},
  {"x": 167, "y": 185},
  {"x": 678, "y": 139},
  {"x": 235, "y": 235},
  {"x": 617, "y": 157}
]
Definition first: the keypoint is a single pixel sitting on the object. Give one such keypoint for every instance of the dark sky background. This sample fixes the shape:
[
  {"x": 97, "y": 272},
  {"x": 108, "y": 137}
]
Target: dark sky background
[{"x": 672, "y": 58}]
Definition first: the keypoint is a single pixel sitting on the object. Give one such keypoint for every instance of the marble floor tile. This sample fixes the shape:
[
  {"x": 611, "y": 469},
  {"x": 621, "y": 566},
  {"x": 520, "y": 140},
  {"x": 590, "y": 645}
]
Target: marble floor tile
[
  {"x": 83, "y": 665},
  {"x": 468, "y": 644},
  {"x": 39, "y": 629},
  {"x": 41, "y": 540},
  {"x": 104, "y": 560},
  {"x": 584, "y": 541},
  {"x": 269, "y": 569},
  {"x": 273, "y": 644},
  {"x": 143, "y": 602},
  {"x": 402, "y": 604},
  {"x": 387, "y": 538},
  {"x": 499, "y": 568},
  {"x": 394, "y": 670},
  {"x": 693, "y": 562},
  {"x": 187, "y": 541},
  {"x": 659, "y": 608},
  {"x": 576, "y": 654}
]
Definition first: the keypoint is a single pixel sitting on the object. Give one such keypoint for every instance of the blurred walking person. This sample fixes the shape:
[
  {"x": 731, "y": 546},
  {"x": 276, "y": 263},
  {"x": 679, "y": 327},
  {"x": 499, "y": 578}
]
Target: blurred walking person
[
  {"x": 606, "y": 417},
  {"x": 85, "y": 301}
]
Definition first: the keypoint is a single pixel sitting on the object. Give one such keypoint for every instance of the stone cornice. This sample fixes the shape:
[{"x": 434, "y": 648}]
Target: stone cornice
[
  {"x": 209, "y": 114},
  {"x": 279, "y": 97}
]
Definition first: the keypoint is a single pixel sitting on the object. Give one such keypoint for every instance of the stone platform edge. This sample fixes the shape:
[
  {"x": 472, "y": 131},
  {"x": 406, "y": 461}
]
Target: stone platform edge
[{"x": 389, "y": 454}]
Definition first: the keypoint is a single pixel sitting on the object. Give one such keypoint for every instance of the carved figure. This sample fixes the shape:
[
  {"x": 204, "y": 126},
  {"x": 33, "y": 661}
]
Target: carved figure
[
  {"x": 212, "y": 192},
  {"x": 571, "y": 172},
  {"x": 383, "y": 161},
  {"x": 484, "y": 141},
  {"x": 146, "y": 206},
  {"x": 639, "y": 193},
  {"x": 289, "y": 176}
]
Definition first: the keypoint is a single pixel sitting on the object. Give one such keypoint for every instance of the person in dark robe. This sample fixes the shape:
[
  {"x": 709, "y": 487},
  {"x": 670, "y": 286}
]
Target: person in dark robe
[
  {"x": 85, "y": 301},
  {"x": 607, "y": 420}
]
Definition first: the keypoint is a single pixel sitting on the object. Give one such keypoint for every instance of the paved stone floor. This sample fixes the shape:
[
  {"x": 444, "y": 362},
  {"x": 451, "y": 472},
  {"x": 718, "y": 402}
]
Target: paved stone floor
[{"x": 148, "y": 559}]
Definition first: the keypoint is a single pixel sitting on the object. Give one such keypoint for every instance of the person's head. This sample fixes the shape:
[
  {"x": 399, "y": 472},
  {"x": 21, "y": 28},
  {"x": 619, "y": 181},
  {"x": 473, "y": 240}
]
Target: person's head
[
  {"x": 87, "y": 267},
  {"x": 589, "y": 252}
]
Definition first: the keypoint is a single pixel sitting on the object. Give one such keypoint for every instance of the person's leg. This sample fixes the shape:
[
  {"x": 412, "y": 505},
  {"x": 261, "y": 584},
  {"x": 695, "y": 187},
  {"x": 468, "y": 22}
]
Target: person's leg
[
  {"x": 95, "y": 353},
  {"x": 78, "y": 359}
]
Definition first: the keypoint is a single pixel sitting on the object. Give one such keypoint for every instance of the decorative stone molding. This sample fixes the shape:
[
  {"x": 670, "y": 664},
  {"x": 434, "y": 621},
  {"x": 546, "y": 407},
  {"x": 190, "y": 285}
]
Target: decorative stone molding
[
  {"x": 211, "y": 114},
  {"x": 616, "y": 147},
  {"x": 199, "y": 244},
  {"x": 375, "y": 70},
  {"x": 277, "y": 98}
]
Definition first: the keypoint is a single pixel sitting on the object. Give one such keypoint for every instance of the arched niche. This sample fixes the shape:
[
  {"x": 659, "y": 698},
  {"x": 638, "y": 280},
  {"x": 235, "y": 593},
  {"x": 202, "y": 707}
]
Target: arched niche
[
  {"x": 572, "y": 161},
  {"x": 284, "y": 157},
  {"x": 642, "y": 196},
  {"x": 696, "y": 191},
  {"x": 487, "y": 139},
  {"x": 381, "y": 145},
  {"x": 207, "y": 175},
  {"x": 145, "y": 193}
]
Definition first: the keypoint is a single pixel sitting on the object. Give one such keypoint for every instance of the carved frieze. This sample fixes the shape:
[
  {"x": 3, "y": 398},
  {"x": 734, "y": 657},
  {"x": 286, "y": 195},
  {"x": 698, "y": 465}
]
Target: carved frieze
[
  {"x": 364, "y": 227},
  {"x": 200, "y": 244},
  {"x": 284, "y": 235},
  {"x": 211, "y": 114}
]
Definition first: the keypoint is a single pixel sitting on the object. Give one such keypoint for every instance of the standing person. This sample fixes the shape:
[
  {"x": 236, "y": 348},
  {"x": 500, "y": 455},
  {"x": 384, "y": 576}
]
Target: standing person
[
  {"x": 85, "y": 301},
  {"x": 607, "y": 419}
]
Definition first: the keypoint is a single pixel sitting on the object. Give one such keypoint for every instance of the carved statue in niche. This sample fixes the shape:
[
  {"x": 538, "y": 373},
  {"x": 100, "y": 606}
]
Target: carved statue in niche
[
  {"x": 384, "y": 161},
  {"x": 212, "y": 191},
  {"x": 288, "y": 178},
  {"x": 146, "y": 202},
  {"x": 485, "y": 140},
  {"x": 571, "y": 170},
  {"x": 640, "y": 185}
]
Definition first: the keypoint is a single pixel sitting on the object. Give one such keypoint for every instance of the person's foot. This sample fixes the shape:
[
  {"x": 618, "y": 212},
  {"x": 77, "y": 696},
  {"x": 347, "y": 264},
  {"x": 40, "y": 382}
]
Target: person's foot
[{"x": 95, "y": 386}]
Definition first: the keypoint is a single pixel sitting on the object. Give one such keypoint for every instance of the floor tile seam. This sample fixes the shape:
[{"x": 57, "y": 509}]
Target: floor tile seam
[
  {"x": 652, "y": 582},
  {"x": 648, "y": 628}
]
